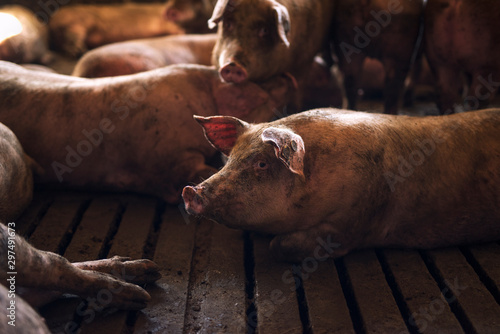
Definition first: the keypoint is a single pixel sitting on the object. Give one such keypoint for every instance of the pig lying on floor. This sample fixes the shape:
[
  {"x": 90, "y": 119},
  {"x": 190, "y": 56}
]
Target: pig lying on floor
[
  {"x": 22, "y": 266},
  {"x": 133, "y": 133},
  {"x": 348, "y": 180}
]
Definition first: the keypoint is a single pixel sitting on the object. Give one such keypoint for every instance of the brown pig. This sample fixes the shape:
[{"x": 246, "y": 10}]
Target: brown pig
[
  {"x": 23, "y": 38},
  {"x": 329, "y": 181},
  {"x": 145, "y": 54},
  {"x": 463, "y": 37},
  {"x": 386, "y": 30},
  {"x": 132, "y": 133},
  {"x": 262, "y": 38},
  {"x": 75, "y": 29},
  {"x": 190, "y": 15}
]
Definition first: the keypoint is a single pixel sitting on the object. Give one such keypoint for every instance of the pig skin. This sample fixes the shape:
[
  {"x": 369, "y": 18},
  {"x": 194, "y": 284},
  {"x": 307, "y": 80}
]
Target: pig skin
[
  {"x": 463, "y": 37},
  {"x": 75, "y": 29},
  {"x": 145, "y": 54},
  {"x": 369, "y": 180},
  {"x": 132, "y": 133},
  {"x": 190, "y": 15},
  {"x": 393, "y": 43},
  {"x": 32, "y": 44}
]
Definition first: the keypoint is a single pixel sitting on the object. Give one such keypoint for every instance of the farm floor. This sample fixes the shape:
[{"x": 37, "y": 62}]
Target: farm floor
[{"x": 219, "y": 280}]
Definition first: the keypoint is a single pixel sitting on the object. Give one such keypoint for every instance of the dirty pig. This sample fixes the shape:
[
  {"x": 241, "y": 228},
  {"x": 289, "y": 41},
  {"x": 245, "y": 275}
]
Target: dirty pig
[
  {"x": 128, "y": 133},
  {"x": 355, "y": 180}
]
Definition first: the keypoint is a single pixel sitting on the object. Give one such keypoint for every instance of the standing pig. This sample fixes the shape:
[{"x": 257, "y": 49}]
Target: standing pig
[
  {"x": 23, "y": 39},
  {"x": 262, "y": 38},
  {"x": 145, "y": 54},
  {"x": 463, "y": 37},
  {"x": 75, "y": 29},
  {"x": 133, "y": 133},
  {"x": 191, "y": 15},
  {"x": 348, "y": 180},
  {"x": 386, "y": 30}
]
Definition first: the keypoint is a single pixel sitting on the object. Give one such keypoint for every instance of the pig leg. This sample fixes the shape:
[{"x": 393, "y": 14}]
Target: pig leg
[
  {"x": 352, "y": 70},
  {"x": 482, "y": 90},
  {"x": 75, "y": 40},
  {"x": 394, "y": 82},
  {"x": 50, "y": 271},
  {"x": 449, "y": 85},
  {"x": 321, "y": 242}
]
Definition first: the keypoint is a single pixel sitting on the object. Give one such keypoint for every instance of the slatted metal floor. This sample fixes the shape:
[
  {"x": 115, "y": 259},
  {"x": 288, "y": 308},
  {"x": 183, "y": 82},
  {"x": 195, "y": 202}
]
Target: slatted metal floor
[{"x": 219, "y": 280}]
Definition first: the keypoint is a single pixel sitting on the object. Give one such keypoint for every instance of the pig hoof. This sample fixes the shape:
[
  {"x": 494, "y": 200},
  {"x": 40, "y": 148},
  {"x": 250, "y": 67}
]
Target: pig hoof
[
  {"x": 136, "y": 271},
  {"x": 232, "y": 72}
]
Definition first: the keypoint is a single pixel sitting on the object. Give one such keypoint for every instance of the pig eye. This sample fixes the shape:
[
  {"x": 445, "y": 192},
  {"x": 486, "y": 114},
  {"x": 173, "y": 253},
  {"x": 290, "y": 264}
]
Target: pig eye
[
  {"x": 263, "y": 32},
  {"x": 261, "y": 164}
]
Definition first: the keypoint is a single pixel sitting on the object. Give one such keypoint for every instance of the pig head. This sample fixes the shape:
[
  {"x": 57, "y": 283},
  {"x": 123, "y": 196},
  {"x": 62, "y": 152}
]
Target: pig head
[
  {"x": 253, "y": 37},
  {"x": 273, "y": 156}
]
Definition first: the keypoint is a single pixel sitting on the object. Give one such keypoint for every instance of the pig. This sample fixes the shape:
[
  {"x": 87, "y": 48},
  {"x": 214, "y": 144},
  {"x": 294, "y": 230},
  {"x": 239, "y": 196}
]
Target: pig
[
  {"x": 190, "y": 15},
  {"x": 128, "y": 133},
  {"x": 44, "y": 272},
  {"x": 262, "y": 38},
  {"x": 327, "y": 181},
  {"x": 462, "y": 38},
  {"x": 145, "y": 54},
  {"x": 23, "y": 39},
  {"x": 386, "y": 30},
  {"x": 77, "y": 28}
]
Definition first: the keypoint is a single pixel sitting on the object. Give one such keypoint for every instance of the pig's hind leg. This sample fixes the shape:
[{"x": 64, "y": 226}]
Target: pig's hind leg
[{"x": 320, "y": 242}]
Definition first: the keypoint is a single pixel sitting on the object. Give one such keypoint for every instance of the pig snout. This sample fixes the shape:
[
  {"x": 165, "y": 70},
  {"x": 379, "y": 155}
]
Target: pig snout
[
  {"x": 233, "y": 72},
  {"x": 193, "y": 200}
]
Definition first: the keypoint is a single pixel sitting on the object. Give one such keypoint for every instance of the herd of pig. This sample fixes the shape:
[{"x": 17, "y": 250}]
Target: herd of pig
[{"x": 150, "y": 116}]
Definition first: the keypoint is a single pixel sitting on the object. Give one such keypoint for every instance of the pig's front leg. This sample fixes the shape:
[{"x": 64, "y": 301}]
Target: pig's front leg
[
  {"x": 132, "y": 271},
  {"x": 319, "y": 242},
  {"x": 49, "y": 271}
]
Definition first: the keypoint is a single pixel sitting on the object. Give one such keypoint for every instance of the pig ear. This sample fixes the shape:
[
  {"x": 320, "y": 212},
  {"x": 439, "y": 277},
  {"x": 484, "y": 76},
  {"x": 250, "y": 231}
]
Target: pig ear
[
  {"x": 222, "y": 131},
  {"x": 219, "y": 9},
  {"x": 288, "y": 146},
  {"x": 282, "y": 21}
]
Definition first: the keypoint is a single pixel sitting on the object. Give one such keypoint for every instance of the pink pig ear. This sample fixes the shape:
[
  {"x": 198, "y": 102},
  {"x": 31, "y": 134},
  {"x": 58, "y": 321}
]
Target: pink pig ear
[
  {"x": 282, "y": 21},
  {"x": 222, "y": 131},
  {"x": 219, "y": 9},
  {"x": 288, "y": 146}
]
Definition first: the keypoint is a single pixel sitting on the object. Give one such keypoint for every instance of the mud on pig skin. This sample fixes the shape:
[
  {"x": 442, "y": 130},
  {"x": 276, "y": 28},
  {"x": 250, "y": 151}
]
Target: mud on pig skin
[
  {"x": 262, "y": 38},
  {"x": 386, "y": 30},
  {"x": 75, "y": 29},
  {"x": 133, "y": 133},
  {"x": 145, "y": 54},
  {"x": 191, "y": 15},
  {"x": 30, "y": 44},
  {"x": 355, "y": 180},
  {"x": 463, "y": 37}
]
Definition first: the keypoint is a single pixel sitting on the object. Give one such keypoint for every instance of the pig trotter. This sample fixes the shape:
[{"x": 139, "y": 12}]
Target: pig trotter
[{"x": 136, "y": 271}]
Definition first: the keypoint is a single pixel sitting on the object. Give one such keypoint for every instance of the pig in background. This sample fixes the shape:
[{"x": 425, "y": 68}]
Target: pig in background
[
  {"x": 131, "y": 133},
  {"x": 262, "y": 38},
  {"x": 462, "y": 44},
  {"x": 29, "y": 43},
  {"x": 76, "y": 28},
  {"x": 190, "y": 15},
  {"x": 47, "y": 275},
  {"x": 386, "y": 30},
  {"x": 145, "y": 54},
  {"x": 355, "y": 180}
]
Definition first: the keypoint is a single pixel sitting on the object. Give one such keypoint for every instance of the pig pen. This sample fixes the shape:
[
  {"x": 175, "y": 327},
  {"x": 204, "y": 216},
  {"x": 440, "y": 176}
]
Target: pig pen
[{"x": 219, "y": 280}]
